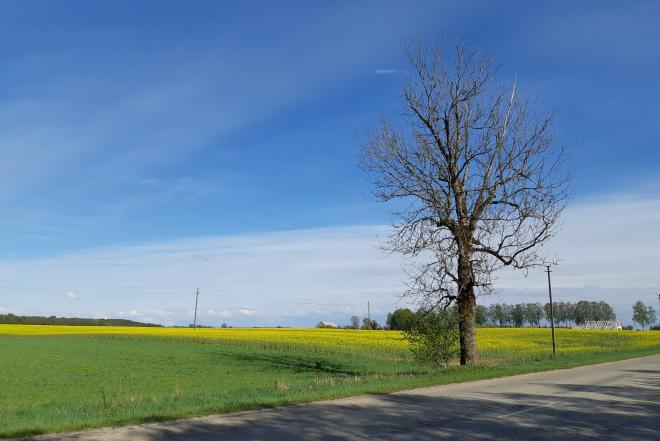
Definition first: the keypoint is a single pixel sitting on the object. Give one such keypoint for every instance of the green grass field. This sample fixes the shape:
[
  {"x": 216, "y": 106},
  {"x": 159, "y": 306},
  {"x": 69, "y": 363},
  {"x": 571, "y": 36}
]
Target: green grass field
[{"x": 82, "y": 378}]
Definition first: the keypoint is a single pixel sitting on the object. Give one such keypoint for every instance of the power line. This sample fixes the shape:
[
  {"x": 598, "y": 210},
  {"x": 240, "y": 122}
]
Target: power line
[
  {"x": 269, "y": 221},
  {"x": 92, "y": 285},
  {"x": 90, "y": 291},
  {"x": 178, "y": 292},
  {"x": 114, "y": 289}
]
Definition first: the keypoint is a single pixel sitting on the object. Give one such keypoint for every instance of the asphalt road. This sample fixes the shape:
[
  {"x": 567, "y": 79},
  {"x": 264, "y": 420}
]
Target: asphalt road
[{"x": 619, "y": 400}]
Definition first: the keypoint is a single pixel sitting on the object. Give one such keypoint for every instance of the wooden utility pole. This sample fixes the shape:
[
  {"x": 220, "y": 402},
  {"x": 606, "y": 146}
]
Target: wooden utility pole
[
  {"x": 369, "y": 314},
  {"x": 196, "y": 300},
  {"x": 552, "y": 312}
]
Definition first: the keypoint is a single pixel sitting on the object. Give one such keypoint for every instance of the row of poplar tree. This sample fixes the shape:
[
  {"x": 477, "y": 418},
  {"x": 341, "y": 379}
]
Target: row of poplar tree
[
  {"x": 532, "y": 314},
  {"x": 518, "y": 315}
]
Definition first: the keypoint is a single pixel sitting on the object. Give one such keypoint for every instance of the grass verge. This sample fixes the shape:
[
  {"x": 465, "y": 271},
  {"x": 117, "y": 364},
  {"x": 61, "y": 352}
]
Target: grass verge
[{"x": 52, "y": 383}]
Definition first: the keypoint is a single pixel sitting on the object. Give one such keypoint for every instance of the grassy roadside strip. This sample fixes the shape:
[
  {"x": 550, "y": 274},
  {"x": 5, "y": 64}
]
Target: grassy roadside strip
[{"x": 304, "y": 378}]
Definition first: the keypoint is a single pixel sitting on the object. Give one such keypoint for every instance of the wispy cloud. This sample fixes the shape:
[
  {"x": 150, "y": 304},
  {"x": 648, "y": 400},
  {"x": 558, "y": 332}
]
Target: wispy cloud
[
  {"x": 71, "y": 295},
  {"x": 154, "y": 312},
  {"x": 609, "y": 247},
  {"x": 385, "y": 71},
  {"x": 221, "y": 313},
  {"x": 608, "y": 242},
  {"x": 102, "y": 139},
  {"x": 280, "y": 272},
  {"x": 62, "y": 117}
]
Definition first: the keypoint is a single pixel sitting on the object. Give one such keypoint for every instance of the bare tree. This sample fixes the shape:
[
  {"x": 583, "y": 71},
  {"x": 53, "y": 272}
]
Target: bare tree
[{"x": 481, "y": 181}]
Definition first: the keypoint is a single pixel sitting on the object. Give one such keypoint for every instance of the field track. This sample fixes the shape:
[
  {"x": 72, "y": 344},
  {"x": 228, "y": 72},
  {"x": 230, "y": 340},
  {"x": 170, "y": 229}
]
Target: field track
[{"x": 618, "y": 400}]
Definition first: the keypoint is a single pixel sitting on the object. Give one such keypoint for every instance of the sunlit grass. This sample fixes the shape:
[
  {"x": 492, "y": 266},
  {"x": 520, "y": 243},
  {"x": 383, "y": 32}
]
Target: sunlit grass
[{"x": 57, "y": 378}]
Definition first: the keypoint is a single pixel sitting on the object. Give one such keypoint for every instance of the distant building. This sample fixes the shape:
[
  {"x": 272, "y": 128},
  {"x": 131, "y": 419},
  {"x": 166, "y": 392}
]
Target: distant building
[
  {"x": 613, "y": 325},
  {"x": 327, "y": 325}
]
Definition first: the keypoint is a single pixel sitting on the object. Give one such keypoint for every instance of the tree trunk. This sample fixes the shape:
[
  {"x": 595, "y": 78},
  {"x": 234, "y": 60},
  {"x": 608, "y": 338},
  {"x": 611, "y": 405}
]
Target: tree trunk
[
  {"x": 467, "y": 304},
  {"x": 467, "y": 309}
]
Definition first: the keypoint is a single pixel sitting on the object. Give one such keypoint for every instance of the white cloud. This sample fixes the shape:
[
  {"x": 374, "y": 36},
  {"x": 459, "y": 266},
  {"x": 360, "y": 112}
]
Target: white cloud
[
  {"x": 148, "y": 315},
  {"x": 144, "y": 313},
  {"x": 4, "y": 310},
  {"x": 385, "y": 71},
  {"x": 71, "y": 295},
  {"x": 610, "y": 250},
  {"x": 222, "y": 313},
  {"x": 611, "y": 243}
]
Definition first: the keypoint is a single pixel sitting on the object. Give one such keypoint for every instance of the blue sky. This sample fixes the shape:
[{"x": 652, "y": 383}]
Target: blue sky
[{"x": 137, "y": 134}]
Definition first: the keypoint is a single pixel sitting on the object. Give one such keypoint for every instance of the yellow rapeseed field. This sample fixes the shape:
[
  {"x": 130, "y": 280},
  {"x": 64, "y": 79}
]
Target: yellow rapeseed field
[{"x": 496, "y": 342}]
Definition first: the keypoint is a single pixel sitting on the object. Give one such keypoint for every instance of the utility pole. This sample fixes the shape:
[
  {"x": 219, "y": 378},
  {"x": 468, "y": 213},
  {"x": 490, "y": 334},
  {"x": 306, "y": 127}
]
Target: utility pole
[
  {"x": 552, "y": 312},
  {"x": 196, "y": 300},
  {"x": 369, "y": 314}
]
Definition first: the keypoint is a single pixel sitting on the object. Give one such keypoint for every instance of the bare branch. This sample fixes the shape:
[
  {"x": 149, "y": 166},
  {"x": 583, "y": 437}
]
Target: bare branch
[{"x": 484, "y": 181}]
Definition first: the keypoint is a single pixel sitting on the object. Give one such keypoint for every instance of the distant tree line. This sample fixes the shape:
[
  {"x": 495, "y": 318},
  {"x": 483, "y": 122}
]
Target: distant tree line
[
  {"x": 581, "y": 312},
  {"x": 532, "y": 314},
  {"x": 519, "y": 315},
  {"x": 11, "y": 319}
]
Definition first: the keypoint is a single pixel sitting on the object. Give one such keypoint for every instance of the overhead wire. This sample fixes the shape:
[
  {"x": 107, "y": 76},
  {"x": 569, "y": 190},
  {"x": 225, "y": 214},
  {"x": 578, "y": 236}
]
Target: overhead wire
[
  {"x": 179, "y": 292},
  {"x": 269, "y": 221}
]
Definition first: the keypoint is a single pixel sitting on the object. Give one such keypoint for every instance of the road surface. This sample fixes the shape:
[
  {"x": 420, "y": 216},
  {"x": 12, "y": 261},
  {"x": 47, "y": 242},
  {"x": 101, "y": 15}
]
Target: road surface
[{"x": 619, "y": 400}]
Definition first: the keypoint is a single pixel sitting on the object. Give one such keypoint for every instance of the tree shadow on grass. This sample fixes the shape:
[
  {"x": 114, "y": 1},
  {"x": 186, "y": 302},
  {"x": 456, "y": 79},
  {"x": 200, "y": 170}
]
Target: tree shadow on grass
[{"x": 294, "y": 363}]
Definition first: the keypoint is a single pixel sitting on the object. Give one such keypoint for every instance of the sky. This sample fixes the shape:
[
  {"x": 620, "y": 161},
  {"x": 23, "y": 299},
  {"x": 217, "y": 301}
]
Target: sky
[{"x": 148, "y": 149}]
